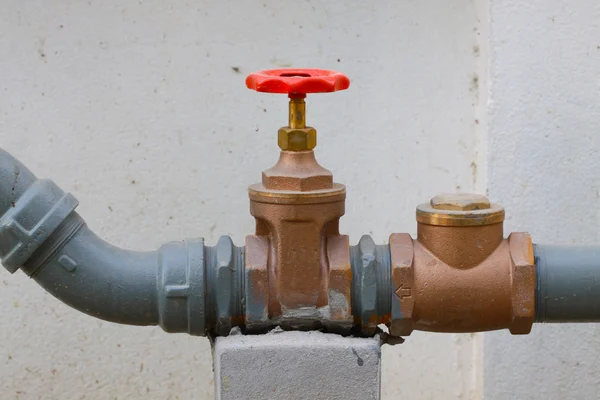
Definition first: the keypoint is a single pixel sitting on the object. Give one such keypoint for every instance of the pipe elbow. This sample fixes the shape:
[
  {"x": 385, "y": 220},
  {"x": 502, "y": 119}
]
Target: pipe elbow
[
  {"x": 99, "y": 279},
  {"x": 41, "y": 234}
]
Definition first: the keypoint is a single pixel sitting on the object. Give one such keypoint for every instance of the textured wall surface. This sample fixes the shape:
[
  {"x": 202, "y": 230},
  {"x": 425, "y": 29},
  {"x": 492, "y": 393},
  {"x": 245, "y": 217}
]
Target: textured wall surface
[
  {"x": 543, "y": 166},
  {"x": 139, "y": 109}
]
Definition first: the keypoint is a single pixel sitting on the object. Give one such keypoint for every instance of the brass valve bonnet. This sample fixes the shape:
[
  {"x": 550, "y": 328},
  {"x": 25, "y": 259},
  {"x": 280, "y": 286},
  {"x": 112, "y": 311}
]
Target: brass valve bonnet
[{"x": 460, "y": 209}]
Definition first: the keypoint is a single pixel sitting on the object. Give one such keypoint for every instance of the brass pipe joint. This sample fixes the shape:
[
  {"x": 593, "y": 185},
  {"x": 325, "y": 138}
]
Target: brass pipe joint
[{"x": 460, "y": 274}]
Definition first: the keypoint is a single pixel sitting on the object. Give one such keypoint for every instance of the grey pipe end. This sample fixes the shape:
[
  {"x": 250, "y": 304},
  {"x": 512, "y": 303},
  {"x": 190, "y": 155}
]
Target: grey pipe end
[{"x": 568, "y": 283}]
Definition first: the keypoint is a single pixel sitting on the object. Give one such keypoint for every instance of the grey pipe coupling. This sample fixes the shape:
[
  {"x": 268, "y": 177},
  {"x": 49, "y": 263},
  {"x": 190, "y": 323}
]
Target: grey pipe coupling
[
  {"x": 31, "y": 220},
  {"x": 371, "y": 283},
  {"x": 200, "y": 288}
]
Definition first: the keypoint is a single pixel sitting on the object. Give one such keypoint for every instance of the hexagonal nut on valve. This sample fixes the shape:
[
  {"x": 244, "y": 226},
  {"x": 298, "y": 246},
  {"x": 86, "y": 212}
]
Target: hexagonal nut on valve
[
  {"x": 227, "y": 284},
  {"x": 403, "y": 301},
  {"x": 297, "y": 139},
  {"x": 523, "y": 283},
  {"x": 257, "y": 283}
]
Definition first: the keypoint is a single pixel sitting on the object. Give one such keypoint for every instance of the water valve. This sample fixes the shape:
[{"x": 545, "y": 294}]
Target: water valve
[
  {"x": 296, "y": 271},
  {"x": 297, "y": 257}
]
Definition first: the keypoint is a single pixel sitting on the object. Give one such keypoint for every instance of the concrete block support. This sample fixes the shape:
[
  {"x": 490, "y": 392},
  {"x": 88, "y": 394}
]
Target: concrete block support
[{"x": 296, "y": 365}]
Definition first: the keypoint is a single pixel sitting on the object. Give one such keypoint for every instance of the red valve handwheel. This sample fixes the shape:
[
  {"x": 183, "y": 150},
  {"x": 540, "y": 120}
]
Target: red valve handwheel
[{"x": 296, "y": 81}]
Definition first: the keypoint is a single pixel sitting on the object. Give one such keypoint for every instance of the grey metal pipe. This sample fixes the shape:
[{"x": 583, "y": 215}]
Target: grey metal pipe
[
  {"x": 43, "y": 235},
  {"x": 179, "y": 287},
  {"x": 568, "y": 283}
]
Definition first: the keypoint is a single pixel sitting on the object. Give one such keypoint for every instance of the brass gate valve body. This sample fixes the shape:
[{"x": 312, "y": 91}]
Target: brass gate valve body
[{"x": 298, "y": 272}]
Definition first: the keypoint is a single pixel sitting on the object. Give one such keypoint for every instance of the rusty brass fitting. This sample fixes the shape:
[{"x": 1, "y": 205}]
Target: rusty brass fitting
[{"x": 460, "y": 274}]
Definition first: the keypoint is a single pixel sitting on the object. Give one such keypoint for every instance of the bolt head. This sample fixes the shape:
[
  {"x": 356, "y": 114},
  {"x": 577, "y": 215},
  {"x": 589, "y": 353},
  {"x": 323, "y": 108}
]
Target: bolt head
[
  {"x": 460, "y": 202},
  {"x": 403, "y": 297},
  {"x": 297, "y": 139},
  {"x": 523, "y": 285}
]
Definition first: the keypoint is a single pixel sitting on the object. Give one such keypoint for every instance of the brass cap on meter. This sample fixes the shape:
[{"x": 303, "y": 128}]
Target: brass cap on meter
[{"x": 460, "y": 209}]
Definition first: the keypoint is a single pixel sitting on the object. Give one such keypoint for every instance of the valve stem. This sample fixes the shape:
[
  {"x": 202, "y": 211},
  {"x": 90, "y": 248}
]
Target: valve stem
[{"x": 297, "y": 117}]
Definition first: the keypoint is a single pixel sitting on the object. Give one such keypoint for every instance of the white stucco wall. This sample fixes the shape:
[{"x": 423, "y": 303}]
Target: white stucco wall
[
  {"x": 544, "y": 150},
  {"x": 136, "y": 109}
]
